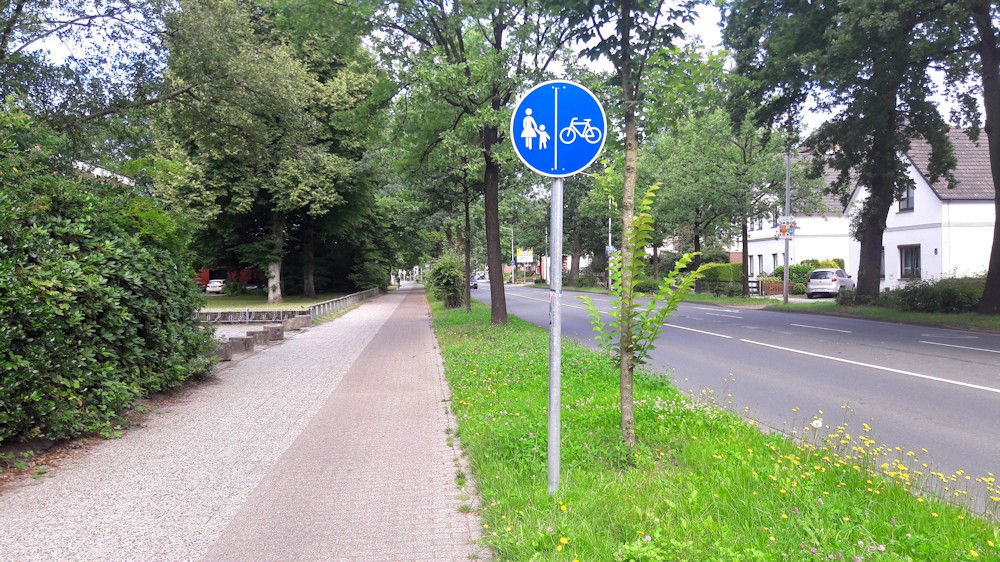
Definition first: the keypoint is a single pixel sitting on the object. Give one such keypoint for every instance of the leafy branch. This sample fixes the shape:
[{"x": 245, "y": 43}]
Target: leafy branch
[{"x": 647, "y": 321}]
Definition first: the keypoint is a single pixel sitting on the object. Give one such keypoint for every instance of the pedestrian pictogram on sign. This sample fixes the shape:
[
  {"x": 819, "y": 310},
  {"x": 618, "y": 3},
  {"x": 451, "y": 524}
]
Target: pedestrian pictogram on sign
[{"x": 571, "y": 113}]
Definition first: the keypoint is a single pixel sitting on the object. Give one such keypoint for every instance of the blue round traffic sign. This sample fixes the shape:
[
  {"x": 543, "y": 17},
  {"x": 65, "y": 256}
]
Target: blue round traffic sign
[{"x": 558, "y": 128}]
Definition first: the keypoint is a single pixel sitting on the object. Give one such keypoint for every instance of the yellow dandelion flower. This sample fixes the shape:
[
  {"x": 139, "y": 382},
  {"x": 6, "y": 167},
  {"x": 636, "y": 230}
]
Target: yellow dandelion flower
[
  {"x": 564, "y": 540},
  {"x": 973, "y": 554},
  {"x": 934, "y": 514},
  {"x": 562, "y": 507},
  {"x": 559, "y": 548},
  {"x": 846, "y": 518}
]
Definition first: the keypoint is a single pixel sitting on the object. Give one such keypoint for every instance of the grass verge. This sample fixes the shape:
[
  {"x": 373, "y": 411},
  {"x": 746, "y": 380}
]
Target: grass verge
[{"x": 702, "y": 485}]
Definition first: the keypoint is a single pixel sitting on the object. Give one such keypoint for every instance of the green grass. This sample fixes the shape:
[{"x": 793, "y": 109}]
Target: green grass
[
  {"x": 259, "y": 302},
  {"x": 702, "y": 485}
]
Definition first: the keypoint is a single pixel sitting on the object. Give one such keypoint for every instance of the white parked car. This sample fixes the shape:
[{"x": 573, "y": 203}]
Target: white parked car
[
  {"x": 216, "y": 286},
  {"x": 828, "y": 282}
]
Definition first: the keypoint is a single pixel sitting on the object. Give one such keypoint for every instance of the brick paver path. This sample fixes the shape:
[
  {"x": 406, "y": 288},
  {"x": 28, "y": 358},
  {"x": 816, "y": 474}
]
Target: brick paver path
[{"x": 329, "y": 446}]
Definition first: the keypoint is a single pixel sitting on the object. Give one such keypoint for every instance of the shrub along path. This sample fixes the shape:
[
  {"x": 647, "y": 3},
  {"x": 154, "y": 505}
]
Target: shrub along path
[{"x": 331, "y": 445}]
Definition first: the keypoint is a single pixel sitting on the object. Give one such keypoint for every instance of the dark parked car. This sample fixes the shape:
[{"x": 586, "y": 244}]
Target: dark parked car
[
  {"x": 252, "y": 285},
  {"x": 473, "y": 282}
]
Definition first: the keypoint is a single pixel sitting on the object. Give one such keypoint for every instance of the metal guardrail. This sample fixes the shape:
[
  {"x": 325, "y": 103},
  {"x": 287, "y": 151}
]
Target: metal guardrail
[
  {"x": 326, "y": 308},
  {"x": 246, "y": 316}
]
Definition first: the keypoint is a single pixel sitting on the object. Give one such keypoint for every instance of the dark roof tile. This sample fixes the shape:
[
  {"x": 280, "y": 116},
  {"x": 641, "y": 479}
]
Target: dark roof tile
[{"x": 972, "y": 172}]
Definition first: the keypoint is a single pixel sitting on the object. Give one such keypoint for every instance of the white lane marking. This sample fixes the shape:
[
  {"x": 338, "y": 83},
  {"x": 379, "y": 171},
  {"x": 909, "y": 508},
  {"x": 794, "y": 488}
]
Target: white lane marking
[
  {"x": 726, "y": 315},
  {"x": 821, "y": 328},
  {"x": 699, "y": 331},
  {"x": 546, "y": 300},
  {"x": 951, "y": 336},
  {"x": 961, "y": 346},
  {"x": 715, "y": 308},
  {"x": 879, "y": 367}
]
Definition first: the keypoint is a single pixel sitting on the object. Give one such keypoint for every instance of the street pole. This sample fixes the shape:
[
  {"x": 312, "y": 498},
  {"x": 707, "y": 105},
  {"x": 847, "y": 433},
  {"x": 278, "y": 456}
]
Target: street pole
[
  {"x": 788, "y": 213},
  {"x": 555, "y": 332},
  {"x": 513, "y": 257}
]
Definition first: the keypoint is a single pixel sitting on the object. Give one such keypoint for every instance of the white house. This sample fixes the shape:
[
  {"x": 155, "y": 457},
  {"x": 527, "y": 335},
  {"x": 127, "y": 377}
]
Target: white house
[
  {"x": 820, "y": 235},
  {"x": 933, "y": 231}
]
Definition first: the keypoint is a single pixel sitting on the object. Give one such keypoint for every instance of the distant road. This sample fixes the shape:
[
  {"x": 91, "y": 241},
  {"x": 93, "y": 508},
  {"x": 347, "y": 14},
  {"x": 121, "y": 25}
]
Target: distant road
[{"x": 918, "y": 387}]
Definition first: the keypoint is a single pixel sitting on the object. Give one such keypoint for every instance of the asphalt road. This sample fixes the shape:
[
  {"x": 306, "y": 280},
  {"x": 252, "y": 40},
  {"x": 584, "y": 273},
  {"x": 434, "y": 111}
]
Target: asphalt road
[{"x": 918, "y": 387}]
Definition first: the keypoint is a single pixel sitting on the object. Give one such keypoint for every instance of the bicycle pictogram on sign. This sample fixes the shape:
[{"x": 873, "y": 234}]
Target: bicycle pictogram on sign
[{"x": 582, "y": 128}]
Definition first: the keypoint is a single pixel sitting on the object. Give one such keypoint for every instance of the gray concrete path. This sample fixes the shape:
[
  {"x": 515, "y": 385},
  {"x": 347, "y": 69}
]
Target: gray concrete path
[{"x": 329, "y": 446}]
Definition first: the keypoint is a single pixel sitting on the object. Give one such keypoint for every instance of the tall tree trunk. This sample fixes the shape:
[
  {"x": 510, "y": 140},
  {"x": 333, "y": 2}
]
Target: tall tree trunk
[
  {"x": 990, "y": 69},
  {"x": 574, "y": 264},
  {"x": 746, "y": 260},
  {"x": 882, "y": 194},
  {"x": 626, "y": 379},
  {"x": 491, "y": 201},
  {"x": 277, "y": 252},
  {"x": 468, "y": 252},
  {"x": 309, "y": 258}
]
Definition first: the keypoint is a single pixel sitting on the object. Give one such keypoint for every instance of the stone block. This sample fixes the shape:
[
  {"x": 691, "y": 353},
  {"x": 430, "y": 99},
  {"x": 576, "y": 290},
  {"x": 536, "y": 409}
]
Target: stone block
[
  {"x": 304, "y": 320},
  {"x": 223, "y": 350},
  {"x": 290, "y": 324},
  {"x": 259, "y": 336},
  {"x": 240, "y": 344},
  {"x": 275, "y": 332}
]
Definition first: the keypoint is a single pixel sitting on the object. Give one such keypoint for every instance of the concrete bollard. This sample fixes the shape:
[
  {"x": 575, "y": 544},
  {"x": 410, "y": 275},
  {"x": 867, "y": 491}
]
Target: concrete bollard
[
  {"x": 240, "y": 344},
  {"x": 223, "y": 350},
  {"x": 290, "y": 324},
  {"x": 275, "y": 332},
  {"x": 304, "y": 320},
  {"x": 259, "y": 336}
]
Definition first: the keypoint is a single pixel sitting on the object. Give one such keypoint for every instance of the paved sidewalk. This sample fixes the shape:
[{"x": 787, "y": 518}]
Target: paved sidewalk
[{"x": 329, "y": 446}]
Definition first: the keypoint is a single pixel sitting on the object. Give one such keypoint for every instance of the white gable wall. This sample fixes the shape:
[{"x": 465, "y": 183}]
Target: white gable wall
[
  {"x": 954, "y": 237},
  {"x": 967, "y": 234},
  {"x": 816, "y": 238}
]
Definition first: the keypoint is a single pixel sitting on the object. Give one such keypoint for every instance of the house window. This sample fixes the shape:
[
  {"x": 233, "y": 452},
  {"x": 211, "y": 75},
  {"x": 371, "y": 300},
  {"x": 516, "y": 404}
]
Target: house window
[
  {"x": 760, "y": 223},
  {"x": 760, "y": 263},
  {"x": 774, "y": 219},
  {"x": 751, "y": 267},
  {"x": 909, "y": 262},
  {"x": 906, "y": 201},
  {"x": 750, "y": 228},
  {"x": 881, "y": 267},
  {"x": 774, "y": 262}
]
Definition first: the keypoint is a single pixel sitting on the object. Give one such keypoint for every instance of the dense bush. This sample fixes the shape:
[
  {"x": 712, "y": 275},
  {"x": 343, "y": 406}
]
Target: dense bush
[
  {"x": 714, "y": 255},
  {"x": 945, "y": 295},
  {"x": 797, "y": 273},
  {"x": 817, "y": 264},
  {"x": 446, "y": 280},
  {"x": 646, "y": 285},
  {"x": 95, "y": 295},
  {"x": 722, "y": 279},
  {"x": 722, "y": 272}
]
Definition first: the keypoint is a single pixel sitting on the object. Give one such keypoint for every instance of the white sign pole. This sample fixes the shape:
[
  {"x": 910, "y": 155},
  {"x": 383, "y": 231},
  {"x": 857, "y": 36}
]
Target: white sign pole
[{"x": 555, "y": 332}]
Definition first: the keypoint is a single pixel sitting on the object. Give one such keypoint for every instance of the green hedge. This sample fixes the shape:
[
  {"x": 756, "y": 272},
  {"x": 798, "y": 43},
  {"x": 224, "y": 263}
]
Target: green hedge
[
  {"x": 96, "y": 298},
  {"x": 945, "y": 295},
  {"x": 797, "y": 273}
]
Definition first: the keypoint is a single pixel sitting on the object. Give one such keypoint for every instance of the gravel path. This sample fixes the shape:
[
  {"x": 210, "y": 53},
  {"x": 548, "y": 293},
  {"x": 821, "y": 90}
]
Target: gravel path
[{"x": 328, "y": 446}]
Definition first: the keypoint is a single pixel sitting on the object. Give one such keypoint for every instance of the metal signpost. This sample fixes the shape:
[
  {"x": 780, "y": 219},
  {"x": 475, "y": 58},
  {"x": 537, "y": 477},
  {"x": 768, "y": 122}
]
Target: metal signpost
[{"x": 558, "y": 129}]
